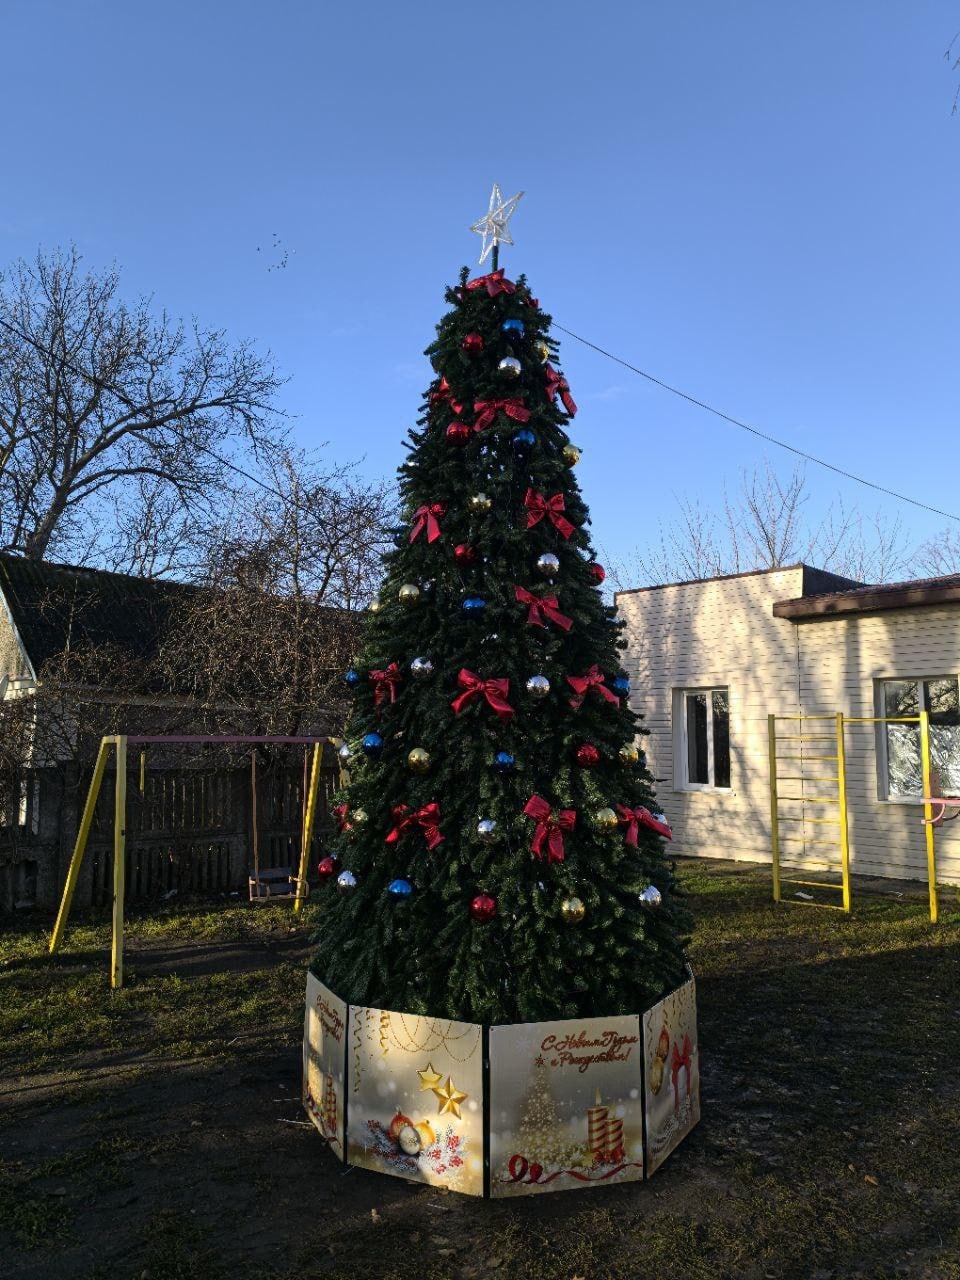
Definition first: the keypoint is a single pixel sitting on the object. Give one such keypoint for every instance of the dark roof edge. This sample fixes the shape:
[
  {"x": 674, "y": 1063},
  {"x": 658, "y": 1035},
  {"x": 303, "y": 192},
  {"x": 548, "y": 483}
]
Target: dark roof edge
[
  {"x": 868, "y": 601},
  {"x": 813, "y": 580}
]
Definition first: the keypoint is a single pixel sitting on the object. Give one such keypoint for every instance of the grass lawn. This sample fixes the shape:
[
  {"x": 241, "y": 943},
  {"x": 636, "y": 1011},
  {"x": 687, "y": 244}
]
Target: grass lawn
[{"x": 155, "y": 1133}]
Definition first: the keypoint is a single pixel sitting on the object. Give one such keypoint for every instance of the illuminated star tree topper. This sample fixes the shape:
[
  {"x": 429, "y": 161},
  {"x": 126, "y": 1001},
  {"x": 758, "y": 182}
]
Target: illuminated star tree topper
[{"x": 493, "y": 225}]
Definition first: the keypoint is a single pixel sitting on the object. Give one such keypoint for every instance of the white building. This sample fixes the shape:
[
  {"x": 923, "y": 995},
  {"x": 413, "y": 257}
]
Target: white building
[{"x": 710, "y": 660}]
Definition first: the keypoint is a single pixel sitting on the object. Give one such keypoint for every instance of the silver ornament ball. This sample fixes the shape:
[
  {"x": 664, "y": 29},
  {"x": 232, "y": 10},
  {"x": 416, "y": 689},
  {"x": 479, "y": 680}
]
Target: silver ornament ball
[
  {"x": 346, "y": 881},
  {"x": 487, "y": 830},
  {"x": 421, "y": 668},
  {"x": 538, "y": 686},
  {"x": 651, "y": 897},
  {"x": 345, "y": 753},
  {"x": 548, "y": 565},
  {"x": 509, "y": 367}
]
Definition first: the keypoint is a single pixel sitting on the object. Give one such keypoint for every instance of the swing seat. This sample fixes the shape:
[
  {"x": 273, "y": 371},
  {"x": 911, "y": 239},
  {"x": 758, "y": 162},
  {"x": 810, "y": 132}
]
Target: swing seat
[{"x": 272, "y": 883}]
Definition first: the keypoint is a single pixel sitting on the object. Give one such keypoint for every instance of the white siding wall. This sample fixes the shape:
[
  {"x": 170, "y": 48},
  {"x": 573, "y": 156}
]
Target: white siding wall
[
  {"x": 723, "y": 632},
  {"x": 720, "y": 632},
  {"x": 840, "y": 661}
]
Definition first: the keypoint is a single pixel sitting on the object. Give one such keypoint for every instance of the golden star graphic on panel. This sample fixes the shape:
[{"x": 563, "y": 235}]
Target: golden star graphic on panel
[
  {"x": 449, "y": 1097},
  {"x": 429, "y": 1079}
]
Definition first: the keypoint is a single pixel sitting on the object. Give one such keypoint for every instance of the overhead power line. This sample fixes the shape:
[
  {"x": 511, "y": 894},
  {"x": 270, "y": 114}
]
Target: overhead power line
[
  {"x": 754, "y": 431},
  {"x": 683, "y": 395}
]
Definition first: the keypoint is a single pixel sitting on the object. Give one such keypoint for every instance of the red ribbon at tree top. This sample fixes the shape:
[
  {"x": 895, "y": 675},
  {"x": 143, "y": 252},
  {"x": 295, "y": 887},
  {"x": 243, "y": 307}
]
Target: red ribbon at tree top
[
  {"x": 679, "y": 1061},
  {"x": 495, "y": 692},
  {"x": 594, "y": 679},
  {"x": 556, "y": 381},
  {"x": 428, "y": 818},
  {"x": 538, "y": 506},
  {"x": 385, "y": 682},
  {"x": 549, "y": 829},
  {"x": 445, "y": 392},
  {"x": 488, "y": 410},
  {"x": 494, "y": 283},
  {"x": 339, "y": 812},
  {"x": 426, "y": 517},
  {"x": 634, "y": 819},
  {"x": 541, "y": 607}
]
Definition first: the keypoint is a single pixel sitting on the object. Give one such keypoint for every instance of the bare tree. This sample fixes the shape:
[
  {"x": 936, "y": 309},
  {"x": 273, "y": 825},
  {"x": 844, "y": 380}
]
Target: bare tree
[
  {"x": 767, "y": 525},
  {"x": 940, "y": 554},
  {"x": 98, "y": 400}
]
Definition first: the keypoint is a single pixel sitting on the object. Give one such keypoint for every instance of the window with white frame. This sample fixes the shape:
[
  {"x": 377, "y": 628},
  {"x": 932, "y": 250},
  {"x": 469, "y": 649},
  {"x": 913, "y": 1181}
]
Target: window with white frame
[
  {"x": 702, "y": 737},
  {"x": 902, "y": 767}
]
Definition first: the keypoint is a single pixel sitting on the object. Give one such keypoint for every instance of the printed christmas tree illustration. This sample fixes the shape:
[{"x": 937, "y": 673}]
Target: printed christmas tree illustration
[{"x": 499, "y": 858}]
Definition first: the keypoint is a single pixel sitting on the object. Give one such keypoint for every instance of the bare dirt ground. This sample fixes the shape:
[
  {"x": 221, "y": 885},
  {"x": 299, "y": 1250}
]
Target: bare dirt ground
[{"x": 155, "y": 1133}]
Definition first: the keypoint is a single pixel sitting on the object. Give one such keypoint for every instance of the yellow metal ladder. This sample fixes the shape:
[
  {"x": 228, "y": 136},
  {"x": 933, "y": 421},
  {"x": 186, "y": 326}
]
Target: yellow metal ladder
[{"x": 808, "y": 793}]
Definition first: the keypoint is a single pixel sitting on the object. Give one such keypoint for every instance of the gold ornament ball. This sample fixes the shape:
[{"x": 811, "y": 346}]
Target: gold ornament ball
[
  {"x": 480, "y": 502},
  {"x": 570, "y": 455},
  {"x": 543, "y": 351},
  {"x": 418, "y": 760},
  {"x": 428, "y": 1134},
  {"x": 358, "y": 817},
  {"x": 375, "y": 605},
  {"x": 409, "y": 594},
  {"x": 605, "y": 819},
  {"x": 656, "y": 1075},
  {"x": 572, "y": 910},
  {"x": 629, "y": 754}
]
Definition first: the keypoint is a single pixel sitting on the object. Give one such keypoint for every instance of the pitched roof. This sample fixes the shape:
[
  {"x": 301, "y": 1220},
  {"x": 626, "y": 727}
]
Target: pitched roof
[
  {"x": 57, "y": 607},
  {"x": 916, "y": 593}
]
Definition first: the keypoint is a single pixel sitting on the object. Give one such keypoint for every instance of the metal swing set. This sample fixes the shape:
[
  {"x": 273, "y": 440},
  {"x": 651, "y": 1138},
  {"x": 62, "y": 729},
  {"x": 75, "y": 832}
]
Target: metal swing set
[{"x": 265, "y": 884}]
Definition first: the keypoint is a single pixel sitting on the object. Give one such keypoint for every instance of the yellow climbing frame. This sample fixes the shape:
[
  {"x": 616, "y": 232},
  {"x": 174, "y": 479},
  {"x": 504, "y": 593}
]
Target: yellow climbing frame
[
  {"x": 801, "y": 763},
  {"x": 118, "y": 743}
]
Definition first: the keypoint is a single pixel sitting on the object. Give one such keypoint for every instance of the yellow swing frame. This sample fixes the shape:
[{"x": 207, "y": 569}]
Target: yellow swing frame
[{"x": 119, "y": 744}]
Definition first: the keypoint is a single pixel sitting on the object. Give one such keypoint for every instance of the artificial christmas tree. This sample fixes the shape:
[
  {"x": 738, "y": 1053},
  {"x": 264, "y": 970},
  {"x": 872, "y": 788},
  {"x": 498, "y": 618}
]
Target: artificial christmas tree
[{"x": 499, "y": 856}]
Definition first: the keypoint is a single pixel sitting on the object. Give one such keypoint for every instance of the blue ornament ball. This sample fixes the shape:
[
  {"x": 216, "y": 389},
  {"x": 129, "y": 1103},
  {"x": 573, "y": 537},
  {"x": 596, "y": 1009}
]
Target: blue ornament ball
[
  {"x": 352, "y": 678},
  {"x": 620, "y": 686},
  {"x": 400, "y": 888},
  {"x": 474, "y": 604},
  {"x": 513, "y": 328},
  {"x": 524, "y": 440},
  {"x": 372, "y": 745},
  {"x": 504, "y": 762}
]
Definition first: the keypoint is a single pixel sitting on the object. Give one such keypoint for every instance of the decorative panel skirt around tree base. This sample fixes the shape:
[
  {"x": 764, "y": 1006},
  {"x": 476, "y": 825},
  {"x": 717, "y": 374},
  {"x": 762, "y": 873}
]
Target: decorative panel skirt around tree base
[{"x": 507, "y": 1110}]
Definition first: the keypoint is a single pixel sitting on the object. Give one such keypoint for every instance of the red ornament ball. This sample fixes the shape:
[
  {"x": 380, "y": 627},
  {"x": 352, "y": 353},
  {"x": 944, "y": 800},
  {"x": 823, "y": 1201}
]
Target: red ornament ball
[
  {"x": 597, "y": 572},
  {"x": 472, "y": 343},
  {"x": 458, "y": 433},
  {"x": 396, "y": 1124},
  {"x": 328, "y": 866},
  {"x": 587, "y": 755},
  {"x": 483, "y": 908},
  {"x": 463, "y": 553}
]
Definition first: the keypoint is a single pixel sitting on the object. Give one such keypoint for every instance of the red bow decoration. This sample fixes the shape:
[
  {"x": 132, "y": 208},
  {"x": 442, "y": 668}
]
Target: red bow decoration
[
  {"x": 428, "y": 818},
  {"x": 594, "y": 679},
  {"x": 634, "y": 819},
  {"x": 494, "y": 283},
  {"x": 445, "y": 392},
  {"x": 495, "y": 692},
  {"x": 339, "y": 812},
  {"x": 549, "y": 830},
  {"x": 385, "y": 681},
  {"x": 426, "y": 518},
  {"x": 538, "y": 506},
  {"x": 488, "y": 410},
  {"x": 679, "y": 1061},
  {"x": 541, "y": 607},
  {"x": 557, "y": 382}
]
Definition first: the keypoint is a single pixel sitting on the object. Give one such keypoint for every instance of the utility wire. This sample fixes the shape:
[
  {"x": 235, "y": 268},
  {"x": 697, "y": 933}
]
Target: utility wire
[
  {"x": 781, "y": 444},
  {"x": 683, "y": 395}
]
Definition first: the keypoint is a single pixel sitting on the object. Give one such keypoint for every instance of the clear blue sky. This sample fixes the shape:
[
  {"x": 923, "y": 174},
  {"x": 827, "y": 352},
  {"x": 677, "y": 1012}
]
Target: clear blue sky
[{"x": 755, "y": 201}]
